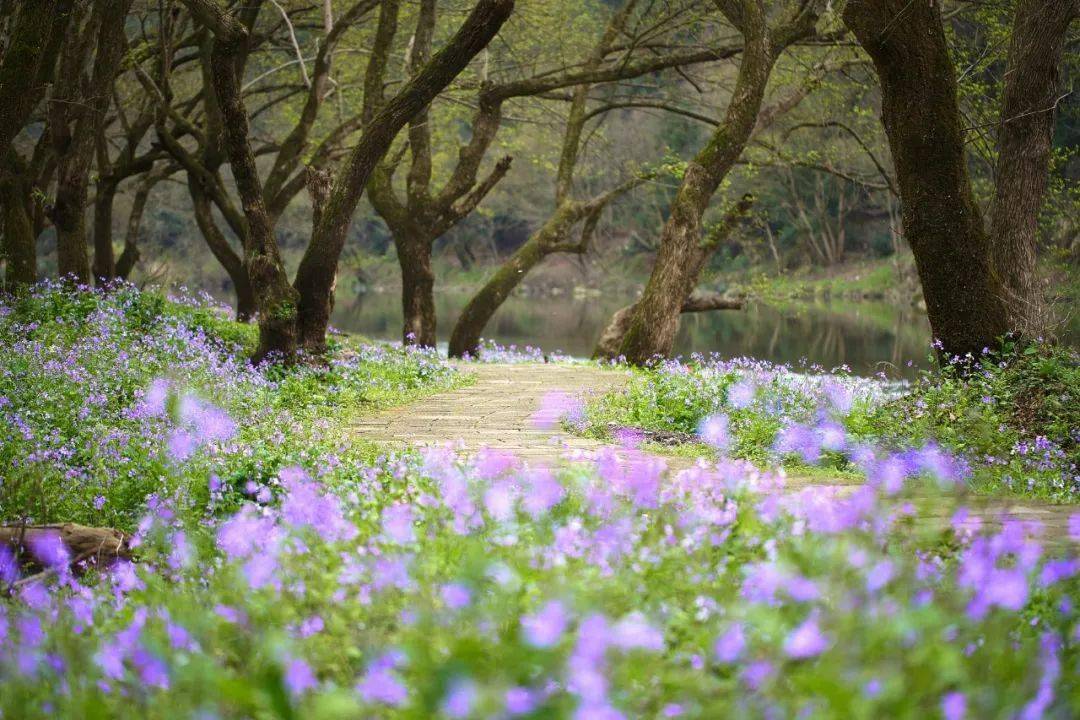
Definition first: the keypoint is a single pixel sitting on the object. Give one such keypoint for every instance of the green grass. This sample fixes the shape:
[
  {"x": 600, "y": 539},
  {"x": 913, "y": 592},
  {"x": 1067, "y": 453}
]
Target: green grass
[
  {"x": 78, "y": 370},
  {"x": 1014, "y": 420}
]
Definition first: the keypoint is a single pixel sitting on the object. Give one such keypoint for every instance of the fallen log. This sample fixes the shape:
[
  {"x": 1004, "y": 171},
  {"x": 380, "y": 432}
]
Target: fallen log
[
  {"x": 101, "y": 545},
  {"x": 611, "y": 338}
]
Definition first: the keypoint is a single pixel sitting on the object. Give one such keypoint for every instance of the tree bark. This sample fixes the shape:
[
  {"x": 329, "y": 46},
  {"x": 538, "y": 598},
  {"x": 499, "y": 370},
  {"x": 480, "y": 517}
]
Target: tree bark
[
  {"x": 19, "y": 248},
  {"x": 964, "y": 298},
  {"x": 465, "y": 339},
  {"x": 104, "y": 257},
  {"x": 417, "y": 291},
  {"x": 28, "y": 61},
  {"x": 610, "y": 340},
  {"x": 1025, "y": 138},
  {"x": 275, "y": 298},
  {"x": 74, "y": 120},
  {"x": 318, "y": 267},
  {"x": 246, "y": 303},
  {"x": 553, "y": 234},
  {"x": 608, "y": 347},
  {"x": 100, "y": 545}
]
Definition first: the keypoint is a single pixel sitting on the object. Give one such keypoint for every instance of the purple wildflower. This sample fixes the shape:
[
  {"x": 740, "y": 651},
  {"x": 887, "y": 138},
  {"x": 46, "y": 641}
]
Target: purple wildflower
[
  {"x": 806, "y": 641},
  {"x": 545, "y": 627},
  {"x": 954, "y": 706},
  {"x": 299, "y": 677},
  {"x": 729, "y": 646}
]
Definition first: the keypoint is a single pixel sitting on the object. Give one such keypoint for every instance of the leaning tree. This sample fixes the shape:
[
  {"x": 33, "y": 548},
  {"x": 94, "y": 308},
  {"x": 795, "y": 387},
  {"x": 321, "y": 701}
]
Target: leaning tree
[
  {"x": 418, "y": 209},
  {"x": 655, "y": 320}
]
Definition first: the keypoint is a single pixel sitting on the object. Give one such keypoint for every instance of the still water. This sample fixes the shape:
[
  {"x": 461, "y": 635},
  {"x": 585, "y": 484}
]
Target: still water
[{"x": 867, "y": 336}]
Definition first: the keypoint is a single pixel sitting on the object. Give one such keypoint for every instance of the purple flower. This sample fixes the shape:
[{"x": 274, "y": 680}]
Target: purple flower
[
  {"x": 554, "y": 407},
  {"x": 634, "y": 632},
  {"x": 299, "y": 677},
  {"x": 799, "y": 440},
  {"x": 757, "y": 673},
  {"x": 181, "y": 445},
  {"x": 152, "y": 670},
  {"x": 741, "y": 394},
  {"x": 397, "y": 524},
  {"x": 455, "y": 596},
  {"x": 499, "y": 500},
  {"x": 545, "y": 627},
  {"x": 543, "y": 492},
  {"x": 806, "y": 641},
  {"x": 9, "y": 566},
  {"x": 519, "y": 701},
  {"x": 729, "y": 646},
  {"x": 261, "y": 570},
  {"x": 879, "y": 576},
  {"x": 954, "y": 706},
  {"x": 714, "y": 431},
  {"x": 460, "y": 699},
  {"x": 380, "y": 686},
  {"x": 157, "y": 395},
  {"x": 49, "y": 550},
  {"x": 1057, "y": 570}
]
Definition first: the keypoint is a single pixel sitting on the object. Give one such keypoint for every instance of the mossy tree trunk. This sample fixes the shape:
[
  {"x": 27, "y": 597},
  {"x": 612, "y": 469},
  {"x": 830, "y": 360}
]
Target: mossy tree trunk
[
  {"x": 554, "y": 235},
  {"x": 656, "y": 318},
  {"x": 610, "y": 344},
  {"x": 75, "y": 116},
  {"x": 19, "y": 240},
  {"x": 36, "y": 31}
]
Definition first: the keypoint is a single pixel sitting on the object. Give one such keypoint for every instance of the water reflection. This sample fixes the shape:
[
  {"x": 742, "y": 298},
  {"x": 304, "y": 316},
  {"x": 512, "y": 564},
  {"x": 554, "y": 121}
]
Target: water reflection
[{"x": 867, "y": 336}]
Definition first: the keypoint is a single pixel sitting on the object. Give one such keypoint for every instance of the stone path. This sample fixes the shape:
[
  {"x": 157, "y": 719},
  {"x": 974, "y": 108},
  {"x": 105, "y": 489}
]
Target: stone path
[{"x": 497, "y": 412}]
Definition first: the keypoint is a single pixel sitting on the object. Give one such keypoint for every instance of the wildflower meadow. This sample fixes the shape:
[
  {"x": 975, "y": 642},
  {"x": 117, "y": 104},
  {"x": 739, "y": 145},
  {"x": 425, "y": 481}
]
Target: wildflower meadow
[{"x": 277, "y": 567}]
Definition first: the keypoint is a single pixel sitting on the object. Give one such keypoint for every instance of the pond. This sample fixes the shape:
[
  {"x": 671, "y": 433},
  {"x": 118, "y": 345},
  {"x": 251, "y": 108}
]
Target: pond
[{"x": 867, "y": 336}]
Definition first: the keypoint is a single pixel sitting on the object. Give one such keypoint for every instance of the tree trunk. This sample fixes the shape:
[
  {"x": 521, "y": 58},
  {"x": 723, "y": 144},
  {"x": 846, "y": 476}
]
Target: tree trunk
[
  {"x": 417, "y": 290},
  {"x": 607, "y": 347},
  {"x": 246, "y": 305},
  {"x": 74, "y": 129},
  {"x": 611, "y": 340},
  {"x": 1025, "y": 139},
  {"x": 28, "y": 61},
  {"x": 104, "y": 257},
  {"x": 275, "y": 298},
  {"x": 318, "y": 267},
  {"x": 964, "y": 299},
  {"x": 19, "y": 247},
  {"x": 129, "y": 257},
  {"x": 653, "y": 326},
  {"x": 465, "y": 339}
]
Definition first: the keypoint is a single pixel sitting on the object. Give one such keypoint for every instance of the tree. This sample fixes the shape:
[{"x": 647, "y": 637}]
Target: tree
[
  {"x": 656, "y": 318},
  {"x": 291, "y": 315},
  {"x": 35, "y": 30},
  {"x": 979, "y": 286},
  {"x": 418, "y": 214},
  {"x": 76, "y": 111},
  {"x": 554, "y": 234}
]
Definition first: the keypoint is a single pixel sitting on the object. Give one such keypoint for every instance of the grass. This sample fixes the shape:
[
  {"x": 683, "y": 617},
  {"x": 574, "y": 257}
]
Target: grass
[
  {"x": 857, "y": 280},
  {"x": 281, "y": 573},
  {"x": 90, "y": 381},
  {"x": 1013, "y": 420}
]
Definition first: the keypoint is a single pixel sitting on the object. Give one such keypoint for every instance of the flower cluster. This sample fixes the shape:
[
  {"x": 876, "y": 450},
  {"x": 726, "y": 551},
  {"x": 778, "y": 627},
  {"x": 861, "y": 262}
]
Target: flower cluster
[{"x": 441, "y": 586}]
